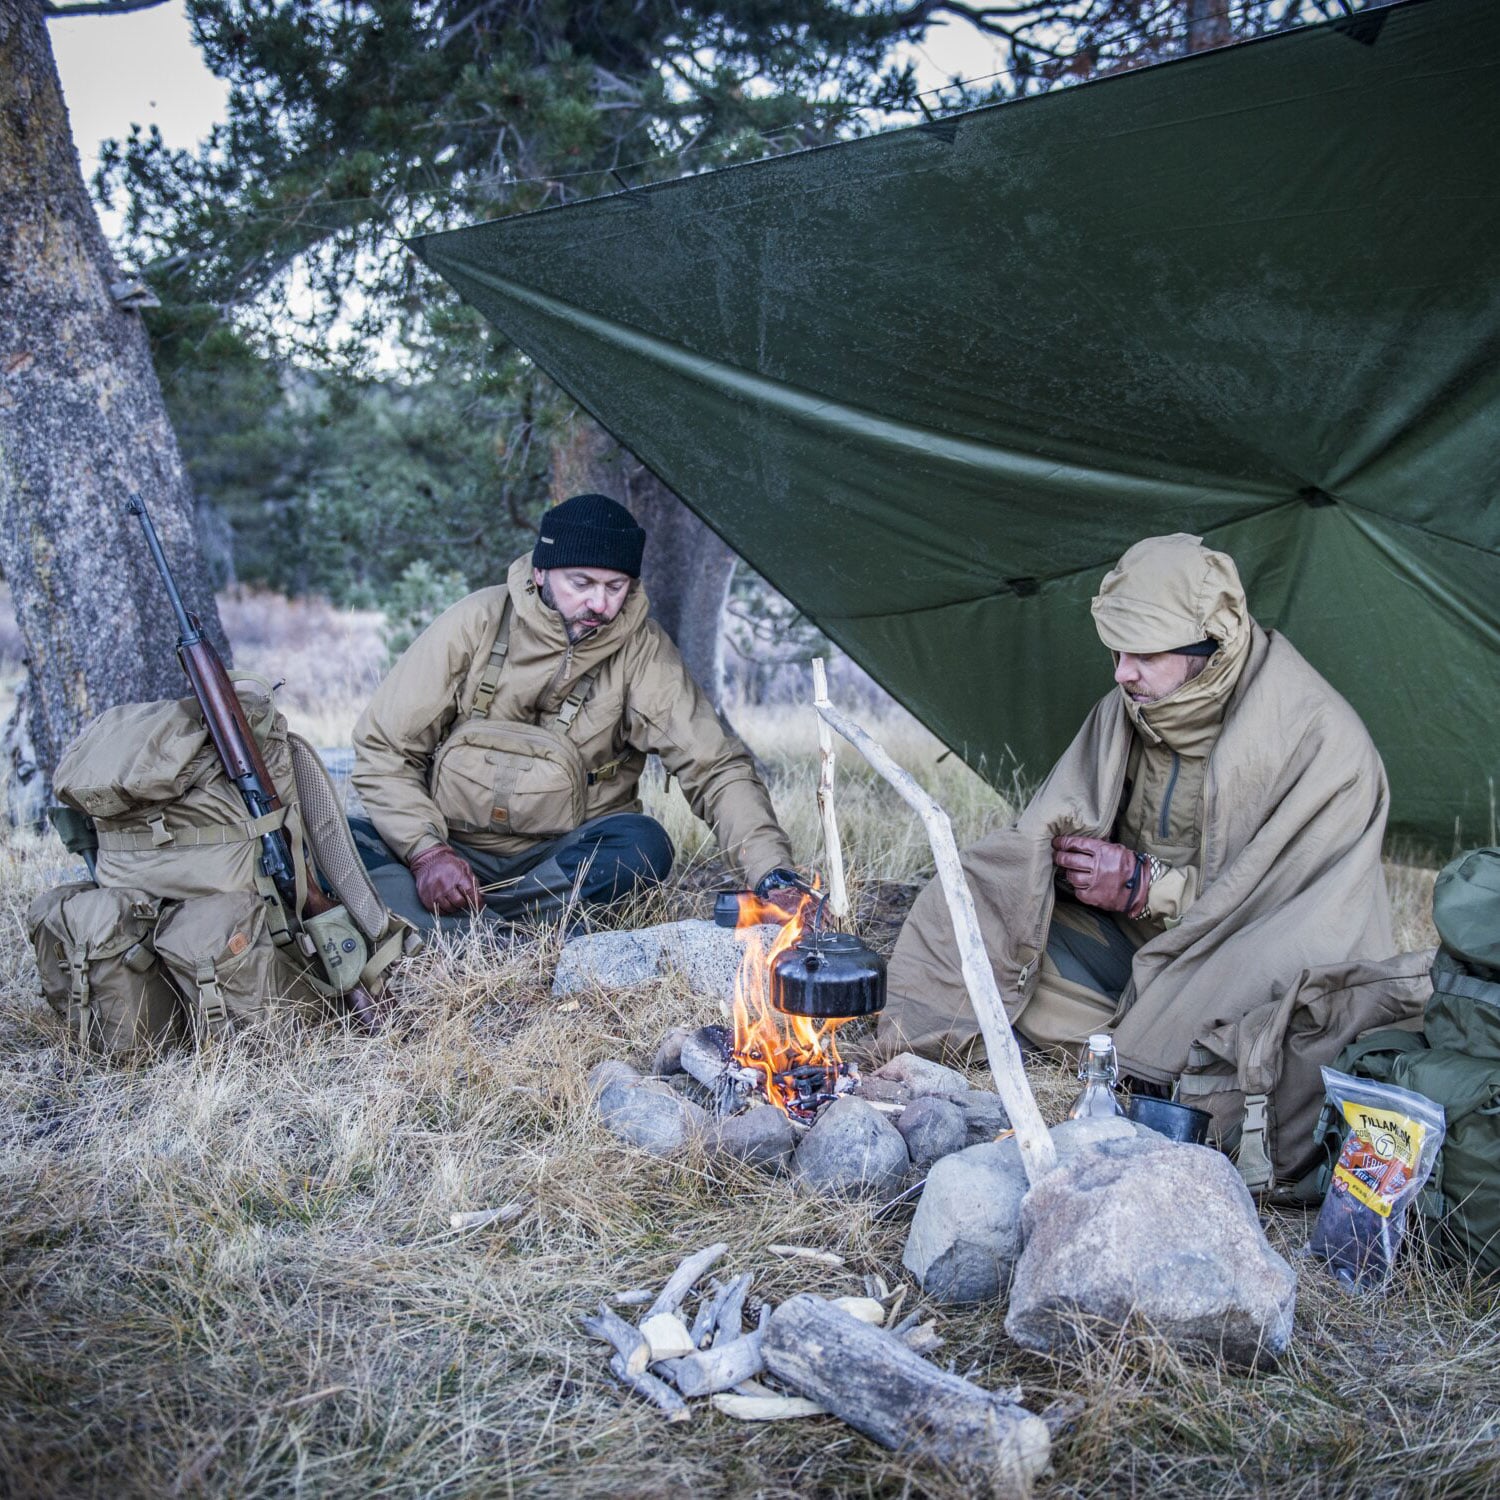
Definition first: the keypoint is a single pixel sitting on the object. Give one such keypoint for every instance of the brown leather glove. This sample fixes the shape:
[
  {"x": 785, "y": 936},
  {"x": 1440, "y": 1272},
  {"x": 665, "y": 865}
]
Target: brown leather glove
[
  {"x": 445, "y": 881},
  {"x": 1102, "y": 874}
]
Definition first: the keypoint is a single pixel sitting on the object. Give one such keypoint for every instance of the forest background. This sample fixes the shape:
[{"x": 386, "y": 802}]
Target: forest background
[{"x": 309, "y": 410}]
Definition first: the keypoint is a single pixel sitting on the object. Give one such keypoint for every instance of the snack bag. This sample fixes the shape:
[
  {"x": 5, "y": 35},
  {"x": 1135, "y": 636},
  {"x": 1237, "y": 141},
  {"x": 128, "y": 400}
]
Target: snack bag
[{"x": 1393, "y": 1141}]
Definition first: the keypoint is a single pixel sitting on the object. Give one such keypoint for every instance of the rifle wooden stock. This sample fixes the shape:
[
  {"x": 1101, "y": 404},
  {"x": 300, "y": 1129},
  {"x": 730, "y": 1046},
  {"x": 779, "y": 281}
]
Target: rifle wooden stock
[{"x": 234, "y": 739}]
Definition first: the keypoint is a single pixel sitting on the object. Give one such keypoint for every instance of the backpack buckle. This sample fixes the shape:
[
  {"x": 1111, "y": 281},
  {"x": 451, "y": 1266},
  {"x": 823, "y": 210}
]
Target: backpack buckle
[{"x": 160, "y": 834}]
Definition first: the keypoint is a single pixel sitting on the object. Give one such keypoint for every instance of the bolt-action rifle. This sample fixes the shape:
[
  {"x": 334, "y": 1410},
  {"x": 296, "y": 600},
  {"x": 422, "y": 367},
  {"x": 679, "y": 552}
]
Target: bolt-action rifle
[{"x": 243, "y": 763}]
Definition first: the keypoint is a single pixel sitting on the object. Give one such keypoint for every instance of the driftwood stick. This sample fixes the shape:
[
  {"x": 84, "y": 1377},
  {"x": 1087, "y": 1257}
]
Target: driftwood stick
[
  {"x": 708, "y": 1307},
  {"x": 657, "y": 1392},
  {"x": 718, "y": 1369},
  {"x": 629, "y": 1343},
  {"x": 1038, "y": 1154},
  {"x": 875, "y": 1383},
  {"x": 728, "y": 1312},
  {"x": 838, "y": 896},
  {"x": 684, "y": 1278}
]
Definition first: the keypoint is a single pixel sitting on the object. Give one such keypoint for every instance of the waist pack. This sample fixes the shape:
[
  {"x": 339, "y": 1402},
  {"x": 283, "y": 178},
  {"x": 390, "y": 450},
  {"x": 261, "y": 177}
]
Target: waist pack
[
  {"x": 1260, "y": 1076},
  {"x": 491, "y": 776},
  {"x": 1454, "y": 1060},
  {"x": 152, "y": 804}
]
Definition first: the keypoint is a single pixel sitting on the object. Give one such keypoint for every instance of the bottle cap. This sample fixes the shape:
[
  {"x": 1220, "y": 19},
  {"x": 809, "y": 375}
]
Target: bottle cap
[{"x": 1101, "y": 1041}]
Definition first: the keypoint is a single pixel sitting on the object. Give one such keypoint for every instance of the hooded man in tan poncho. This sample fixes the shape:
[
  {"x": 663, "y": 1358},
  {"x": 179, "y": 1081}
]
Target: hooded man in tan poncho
[{"x": 1213, "y": 831}]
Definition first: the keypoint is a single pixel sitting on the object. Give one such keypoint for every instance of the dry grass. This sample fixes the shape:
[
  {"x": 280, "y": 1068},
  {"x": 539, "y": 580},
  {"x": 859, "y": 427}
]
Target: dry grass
[{"x": 231, "y": 1272}]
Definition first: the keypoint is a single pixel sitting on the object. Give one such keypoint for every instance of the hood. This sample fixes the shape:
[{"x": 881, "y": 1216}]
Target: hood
[{"x": 1171, "y": 591}]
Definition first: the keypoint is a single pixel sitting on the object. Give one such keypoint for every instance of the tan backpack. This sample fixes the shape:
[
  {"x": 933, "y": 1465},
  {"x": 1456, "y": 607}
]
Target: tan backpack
[
  {"x": 1259, "y": 1077},
  {"x": 169, "y": 823}
]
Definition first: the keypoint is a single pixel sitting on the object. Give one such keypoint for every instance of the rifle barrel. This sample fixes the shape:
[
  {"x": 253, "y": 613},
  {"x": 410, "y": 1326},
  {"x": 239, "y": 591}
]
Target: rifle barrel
[{"x": 188, "y": 630}]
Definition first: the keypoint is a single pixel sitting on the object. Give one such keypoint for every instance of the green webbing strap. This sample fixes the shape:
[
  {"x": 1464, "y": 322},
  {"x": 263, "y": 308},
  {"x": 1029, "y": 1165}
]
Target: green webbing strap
[
  {"x": 210, "y": 996},
  {"x": 575, "y": 700},
  {"x": 489, "y": 683},
  {"x": 194, "y": 835},
  {"x": 78, "y": 990},
  {"x": 1252, "y": 1158},
  {"x": 490, "y": 679},
  {"x": 278, "y": 923}
]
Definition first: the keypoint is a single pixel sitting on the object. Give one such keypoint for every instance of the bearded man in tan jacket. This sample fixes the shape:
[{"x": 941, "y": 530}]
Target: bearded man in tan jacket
[
  {"x": 499, "y": 760},
  {"x": 1211, "y": 837}
]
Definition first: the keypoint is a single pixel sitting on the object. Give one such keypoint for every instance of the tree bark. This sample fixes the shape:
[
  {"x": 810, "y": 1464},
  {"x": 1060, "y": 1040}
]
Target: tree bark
[
  {"x": 82, "y": 423},
  {"x": 687, "y": 570}
]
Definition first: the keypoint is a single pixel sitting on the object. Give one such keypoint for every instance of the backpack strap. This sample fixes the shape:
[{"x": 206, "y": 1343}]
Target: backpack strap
[
  {"x": 156, "y": 834},
  {"x": 210, "y": 997},
  {"x": 489, "y": 683},
  {"x": 79, "y": 997},
  {"x": 489, "y": 679}
]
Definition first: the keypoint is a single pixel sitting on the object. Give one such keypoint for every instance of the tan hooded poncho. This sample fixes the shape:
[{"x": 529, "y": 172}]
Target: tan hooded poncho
[{"x": 1288, "y": 818}]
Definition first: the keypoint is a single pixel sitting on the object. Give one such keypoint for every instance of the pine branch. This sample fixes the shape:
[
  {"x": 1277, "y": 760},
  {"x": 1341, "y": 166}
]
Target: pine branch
[{"x": 99, "y": 7}]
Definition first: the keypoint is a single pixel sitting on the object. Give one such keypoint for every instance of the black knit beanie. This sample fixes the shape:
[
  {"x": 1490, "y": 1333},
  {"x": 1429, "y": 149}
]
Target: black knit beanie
[
  {"x": 590, "y": 531},
  {"x": 1206, "y": 647}
]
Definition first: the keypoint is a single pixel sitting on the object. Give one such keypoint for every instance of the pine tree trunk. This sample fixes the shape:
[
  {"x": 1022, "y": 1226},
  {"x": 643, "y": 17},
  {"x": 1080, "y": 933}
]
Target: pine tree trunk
[
  {"x": 82, "y": 424},
  {"x": 687, "y": 570}
]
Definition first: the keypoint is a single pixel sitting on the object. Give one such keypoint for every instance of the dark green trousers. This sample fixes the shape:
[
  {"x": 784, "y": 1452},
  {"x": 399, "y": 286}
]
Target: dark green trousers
[{"x": 599, "y": 863}]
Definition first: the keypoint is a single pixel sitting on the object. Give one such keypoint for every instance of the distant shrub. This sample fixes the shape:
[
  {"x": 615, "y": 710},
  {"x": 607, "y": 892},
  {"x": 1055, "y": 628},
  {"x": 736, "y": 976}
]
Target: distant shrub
[{"x": 415, "y": 600}]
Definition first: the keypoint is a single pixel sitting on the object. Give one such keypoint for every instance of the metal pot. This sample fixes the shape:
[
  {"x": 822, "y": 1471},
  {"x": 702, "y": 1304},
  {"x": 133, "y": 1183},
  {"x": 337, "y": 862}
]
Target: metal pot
[{"x": 828, "y": 976}]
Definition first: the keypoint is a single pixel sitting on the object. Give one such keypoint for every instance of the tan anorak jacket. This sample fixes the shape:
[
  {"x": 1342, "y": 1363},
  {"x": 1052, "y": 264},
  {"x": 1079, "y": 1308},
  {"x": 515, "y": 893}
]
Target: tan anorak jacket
[
  {"x": 1290, "y": 813},
  {"x": 643, "y": 700}
]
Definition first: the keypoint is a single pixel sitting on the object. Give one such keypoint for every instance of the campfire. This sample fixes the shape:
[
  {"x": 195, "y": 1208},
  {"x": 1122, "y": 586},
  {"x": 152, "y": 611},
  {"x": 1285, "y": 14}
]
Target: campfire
[
  {"x": 791, "y": 996},
  {"x": 797, "y": 1057}
]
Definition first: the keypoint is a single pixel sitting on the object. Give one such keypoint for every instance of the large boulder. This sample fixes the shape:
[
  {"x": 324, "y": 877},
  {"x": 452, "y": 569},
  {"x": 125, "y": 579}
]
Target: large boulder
[
  {"x": 851, "y": 1148},
  {"x": 707, "y": 955},
  {"x": 966, "y": 1235},
  {"x": 645, "y": 1111},
  {"x": 1148, "y": 1233}
]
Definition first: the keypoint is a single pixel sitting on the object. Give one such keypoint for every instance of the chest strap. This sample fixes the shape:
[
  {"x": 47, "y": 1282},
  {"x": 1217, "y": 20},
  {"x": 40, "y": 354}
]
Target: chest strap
[
  {"x": 156, "y": 834},
  {"x": 489, "y": 682}
]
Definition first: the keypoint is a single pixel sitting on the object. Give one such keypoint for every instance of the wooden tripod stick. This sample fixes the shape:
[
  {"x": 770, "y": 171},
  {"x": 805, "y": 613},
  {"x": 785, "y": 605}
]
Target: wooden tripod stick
[
  {"x": 1038, "y": 1155},
  {"x": 838, "y": 896}
]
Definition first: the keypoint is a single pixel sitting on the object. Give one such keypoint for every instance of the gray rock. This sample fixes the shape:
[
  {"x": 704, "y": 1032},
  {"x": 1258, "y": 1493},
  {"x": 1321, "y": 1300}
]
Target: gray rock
[
  {"x": 668, "y": 1057},
  {"x": 966, "y": 1235},
  {"x": 984, "y": 1115},
  {"x": 886, "y": 1090},
  {"x": 612, "y": 1071},
  {"x": 646, "y": 1111},
  {"x": 932, "y": 1127},
  {"x": 851, "y": 1149},
  {"x": 707, "y": 955},
  {"x": 1146, "y": 1233},
  {"x": 923, "y": 1076},
  {"x": 763, "y": 1137}
]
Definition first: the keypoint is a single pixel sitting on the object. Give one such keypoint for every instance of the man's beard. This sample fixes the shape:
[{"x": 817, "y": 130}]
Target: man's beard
[{"x": 582, "y": 624}]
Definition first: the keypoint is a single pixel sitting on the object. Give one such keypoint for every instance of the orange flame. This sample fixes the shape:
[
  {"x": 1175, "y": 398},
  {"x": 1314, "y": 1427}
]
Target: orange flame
[{"x": 764, "y": 1038}]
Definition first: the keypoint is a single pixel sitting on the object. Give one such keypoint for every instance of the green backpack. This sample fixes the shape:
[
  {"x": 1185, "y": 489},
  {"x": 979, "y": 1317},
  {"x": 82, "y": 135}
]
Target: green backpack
[{"x": 1455, "y": 1059}]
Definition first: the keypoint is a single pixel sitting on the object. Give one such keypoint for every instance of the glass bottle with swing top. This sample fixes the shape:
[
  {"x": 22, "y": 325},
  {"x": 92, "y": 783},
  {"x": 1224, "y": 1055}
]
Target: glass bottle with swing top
[{"x": 1100, "y": 1073}]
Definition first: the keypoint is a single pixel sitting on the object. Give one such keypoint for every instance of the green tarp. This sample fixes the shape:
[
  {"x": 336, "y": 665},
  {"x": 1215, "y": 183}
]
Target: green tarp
[{"x": 932, "y": 383}]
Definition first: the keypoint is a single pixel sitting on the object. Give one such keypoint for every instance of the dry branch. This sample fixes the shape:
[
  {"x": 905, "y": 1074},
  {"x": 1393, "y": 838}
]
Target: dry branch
[
  {"x": 805, "y": 1252},
  {"x": 657, "y": 1392},
  {"x": 1038, "y": 1155},
  {"x": 838, "y": 896},
  {"x": 684, "y": 1278},
  {"x": 875, "y": 1383},
  {"x": 767, "y": 1408},
  {"x": 629, "y": 1343},
  {"x": 718, "y": 1369}
]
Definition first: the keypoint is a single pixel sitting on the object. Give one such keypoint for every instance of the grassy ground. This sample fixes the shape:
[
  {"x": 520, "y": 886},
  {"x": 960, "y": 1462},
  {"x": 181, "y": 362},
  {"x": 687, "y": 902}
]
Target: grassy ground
[{"x": 231, "y": 1272}]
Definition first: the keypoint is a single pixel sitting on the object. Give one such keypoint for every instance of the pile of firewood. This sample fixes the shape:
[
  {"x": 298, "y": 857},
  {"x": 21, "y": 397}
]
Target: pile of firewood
[{"x": 850, "y": 1357}]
